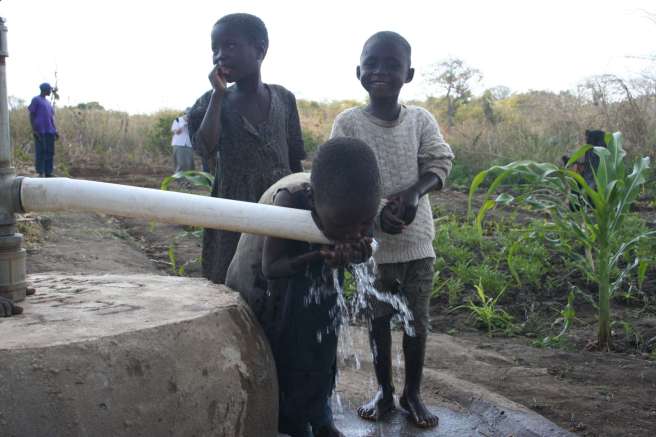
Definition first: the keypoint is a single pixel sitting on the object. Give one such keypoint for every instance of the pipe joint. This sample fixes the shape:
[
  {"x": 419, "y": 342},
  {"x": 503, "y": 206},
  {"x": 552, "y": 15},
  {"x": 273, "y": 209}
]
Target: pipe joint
[{"x": 9, "y": 199}]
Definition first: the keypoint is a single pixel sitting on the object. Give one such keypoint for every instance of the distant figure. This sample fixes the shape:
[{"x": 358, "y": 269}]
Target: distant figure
[
  {"x": 591, "y": 161},
  {"x": 279, "y": 277},
  {"x": 588, "y": 164},
  {"x": 43, "y": 127},
  {"x": 253, "y": 126},
  {"x": 414, "y": 160},
  {"x": 183, "y": 155}
]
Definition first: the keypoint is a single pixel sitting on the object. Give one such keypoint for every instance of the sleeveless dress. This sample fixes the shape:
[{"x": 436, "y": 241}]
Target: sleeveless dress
[{"x": 250, "y": 158}]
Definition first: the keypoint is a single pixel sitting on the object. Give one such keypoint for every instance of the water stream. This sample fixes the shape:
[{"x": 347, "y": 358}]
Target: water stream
[{"x": 360, "y": 305}]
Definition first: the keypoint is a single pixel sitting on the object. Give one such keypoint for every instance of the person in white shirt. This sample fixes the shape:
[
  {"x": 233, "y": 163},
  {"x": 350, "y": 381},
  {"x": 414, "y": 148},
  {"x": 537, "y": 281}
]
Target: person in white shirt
[{"x": 183, "y": 155}]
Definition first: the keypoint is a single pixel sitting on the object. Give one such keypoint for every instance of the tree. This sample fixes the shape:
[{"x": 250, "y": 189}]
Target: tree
[
  {"x": 15, "y": 102},
  {"x": 622, "y": 103},
  {"x": 500, "y": 92},
  {"x": 455, "y": 78},
  {"x": 88, "y": 106}
]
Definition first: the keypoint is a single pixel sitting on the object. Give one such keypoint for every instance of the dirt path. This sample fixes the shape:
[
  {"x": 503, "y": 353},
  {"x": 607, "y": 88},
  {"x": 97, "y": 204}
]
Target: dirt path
[
  {"x": 84, "y": 243},
  {"x": 592, "y": 394}
]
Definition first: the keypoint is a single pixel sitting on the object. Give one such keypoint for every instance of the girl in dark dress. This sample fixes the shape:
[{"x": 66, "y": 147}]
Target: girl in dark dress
[{"x": 252, "y": 129}]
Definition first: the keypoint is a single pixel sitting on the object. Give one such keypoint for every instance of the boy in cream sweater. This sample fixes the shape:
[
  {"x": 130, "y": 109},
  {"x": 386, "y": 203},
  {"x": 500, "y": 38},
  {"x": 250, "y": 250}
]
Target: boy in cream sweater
[{"x": 413, "y": 160}]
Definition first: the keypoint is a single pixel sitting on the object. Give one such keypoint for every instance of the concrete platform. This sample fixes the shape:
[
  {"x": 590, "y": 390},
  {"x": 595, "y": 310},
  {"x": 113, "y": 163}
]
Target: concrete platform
[
  {"x": 453, "y": 422},
  {"x": 397, "y": 424},
  {"x": 140, "y": 355},
  {"x": 465, "y": 409}
]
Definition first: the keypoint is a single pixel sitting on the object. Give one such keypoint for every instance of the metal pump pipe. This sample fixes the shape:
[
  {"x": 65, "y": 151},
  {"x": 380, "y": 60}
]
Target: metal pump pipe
[
  {"x": 5, "y": 146},
  {"x": 63, "y": 194},
  {"x": 12, "y": 254}
]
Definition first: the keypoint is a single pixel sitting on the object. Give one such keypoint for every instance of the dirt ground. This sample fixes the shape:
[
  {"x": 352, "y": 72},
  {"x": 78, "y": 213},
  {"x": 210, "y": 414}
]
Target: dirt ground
[{"x": 589, "y": 393}]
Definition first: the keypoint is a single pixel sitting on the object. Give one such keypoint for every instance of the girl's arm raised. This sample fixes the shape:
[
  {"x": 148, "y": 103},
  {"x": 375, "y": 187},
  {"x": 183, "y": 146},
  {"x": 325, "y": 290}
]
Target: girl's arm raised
[{"x": 210, "y": 127}]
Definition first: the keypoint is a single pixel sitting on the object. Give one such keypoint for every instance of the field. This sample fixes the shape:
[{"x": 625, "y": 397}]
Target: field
[{"x": 529, "y": 336}]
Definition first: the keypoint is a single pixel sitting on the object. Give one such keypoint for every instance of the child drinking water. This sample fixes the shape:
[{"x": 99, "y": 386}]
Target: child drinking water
[
  {"x": 290, "y": 284},
  {"x": 252, "y": 126},
  {"x": 413, "y": 160}
]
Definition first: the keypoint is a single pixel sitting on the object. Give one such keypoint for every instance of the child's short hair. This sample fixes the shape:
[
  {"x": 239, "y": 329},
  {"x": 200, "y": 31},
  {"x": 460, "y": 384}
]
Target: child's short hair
[
  {"x": 596, "y": 138},
  {"x": 394, "y": 37},
  {"x": 345, "y": 173},
  {"x": 249, "y": 25}
]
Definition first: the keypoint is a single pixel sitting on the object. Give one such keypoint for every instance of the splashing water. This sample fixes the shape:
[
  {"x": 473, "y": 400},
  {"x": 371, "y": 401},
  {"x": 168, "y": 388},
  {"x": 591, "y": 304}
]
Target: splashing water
[
  {"x": 364, "y": 275},
  {"x": 362, "y": 302},
  {"x": 343, "y": 314}
]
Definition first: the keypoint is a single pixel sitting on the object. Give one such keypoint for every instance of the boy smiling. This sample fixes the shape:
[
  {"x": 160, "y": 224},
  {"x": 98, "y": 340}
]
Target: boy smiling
[{"x": 413, "y": 160}]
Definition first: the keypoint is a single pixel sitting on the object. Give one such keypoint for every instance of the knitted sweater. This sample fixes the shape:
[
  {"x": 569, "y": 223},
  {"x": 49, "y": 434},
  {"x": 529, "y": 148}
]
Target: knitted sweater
[{"x": 406, "y": 148}]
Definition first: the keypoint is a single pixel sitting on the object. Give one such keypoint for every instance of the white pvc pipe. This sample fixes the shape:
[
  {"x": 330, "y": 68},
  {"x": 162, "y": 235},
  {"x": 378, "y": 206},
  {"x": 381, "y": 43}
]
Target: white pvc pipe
[{"x": 63, "y": 194}]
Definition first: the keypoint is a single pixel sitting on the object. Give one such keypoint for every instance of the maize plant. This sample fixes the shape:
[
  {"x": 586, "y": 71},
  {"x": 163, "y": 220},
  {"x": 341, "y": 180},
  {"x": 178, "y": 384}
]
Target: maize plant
[{"x": 590, "y": 211}]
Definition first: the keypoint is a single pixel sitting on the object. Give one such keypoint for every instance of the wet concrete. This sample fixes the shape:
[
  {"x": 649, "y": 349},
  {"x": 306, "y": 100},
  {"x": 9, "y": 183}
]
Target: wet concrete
[
  {"x": 397, "y": 424},
  {"x": 453, "y": 423},
  {"x": 465, "y": 409}
]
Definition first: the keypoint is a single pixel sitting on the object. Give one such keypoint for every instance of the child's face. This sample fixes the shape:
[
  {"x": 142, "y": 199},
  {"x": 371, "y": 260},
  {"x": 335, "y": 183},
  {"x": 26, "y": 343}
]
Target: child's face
[
  {"x": 237, "y": 56},
  {"x": 339, "y": 224},
  {"x": 384, "y": 68}
]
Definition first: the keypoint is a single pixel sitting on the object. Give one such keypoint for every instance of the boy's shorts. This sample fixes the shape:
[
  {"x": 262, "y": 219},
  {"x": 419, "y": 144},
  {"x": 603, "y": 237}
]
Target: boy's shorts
[{"x": 412, "y": 280}]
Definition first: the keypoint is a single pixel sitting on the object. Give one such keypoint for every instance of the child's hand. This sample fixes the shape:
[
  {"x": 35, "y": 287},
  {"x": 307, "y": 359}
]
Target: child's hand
[
  {"x": 217, "y": 79},
  {"x": 349, "y": 252},
  {"x": 333, "y": 257},
  {"x": 409, "y": 202},
  {"x": 361, "y": 250},
  {"x": 337, "y": 256},
  {"x": 390, "y": 217}
]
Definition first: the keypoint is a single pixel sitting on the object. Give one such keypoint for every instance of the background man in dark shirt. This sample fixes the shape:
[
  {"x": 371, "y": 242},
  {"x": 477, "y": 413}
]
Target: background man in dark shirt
[{"x": 43, "y": 126}]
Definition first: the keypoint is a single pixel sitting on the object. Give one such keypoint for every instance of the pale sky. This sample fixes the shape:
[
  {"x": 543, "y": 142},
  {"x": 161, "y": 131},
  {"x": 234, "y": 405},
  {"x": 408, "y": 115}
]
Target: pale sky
[{"x": 144, "y": 55}]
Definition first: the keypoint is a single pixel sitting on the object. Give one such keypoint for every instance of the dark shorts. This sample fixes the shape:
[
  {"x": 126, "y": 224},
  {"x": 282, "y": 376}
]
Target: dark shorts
[{"x": 414, "y": 281}]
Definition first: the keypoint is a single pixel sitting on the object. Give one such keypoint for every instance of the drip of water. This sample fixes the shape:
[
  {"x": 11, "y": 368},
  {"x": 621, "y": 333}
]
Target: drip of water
[
  {"x": 338, "y": 404},
  {"x": 345, "y": 347},
  {"x": 313, "y": 296}
]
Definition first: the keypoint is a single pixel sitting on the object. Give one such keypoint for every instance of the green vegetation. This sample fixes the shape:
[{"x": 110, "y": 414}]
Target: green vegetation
[
  {"x": 566, "y": 318},
  {"x": 193, "y": 177},
  {"x": 486, "y": 312},
  {"x": 588, "y": 214}
]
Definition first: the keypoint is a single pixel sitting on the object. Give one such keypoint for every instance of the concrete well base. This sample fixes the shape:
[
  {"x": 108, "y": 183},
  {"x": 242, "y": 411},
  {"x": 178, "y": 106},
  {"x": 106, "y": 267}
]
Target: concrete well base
[{"x": 140, "y": 355}]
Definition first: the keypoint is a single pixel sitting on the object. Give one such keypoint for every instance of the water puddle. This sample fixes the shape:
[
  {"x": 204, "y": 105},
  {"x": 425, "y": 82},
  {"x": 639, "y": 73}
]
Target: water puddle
[{"x": 397, "y": 424}]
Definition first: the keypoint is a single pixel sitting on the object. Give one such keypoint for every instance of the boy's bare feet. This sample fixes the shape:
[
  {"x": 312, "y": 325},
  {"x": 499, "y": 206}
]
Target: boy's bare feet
[
  {"x": 377, "y": 408},
  {"x": 419, "y": 414},
  {"x": 328, "y": 431}
]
